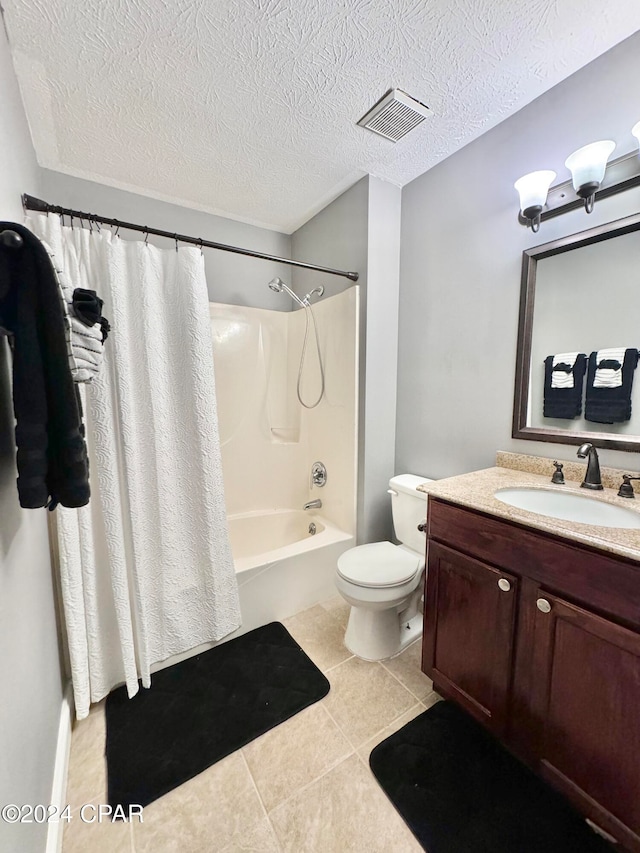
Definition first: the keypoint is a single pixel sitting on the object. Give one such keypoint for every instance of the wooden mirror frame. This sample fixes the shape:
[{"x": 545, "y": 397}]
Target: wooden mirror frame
[{"x": 530, "y": 258}]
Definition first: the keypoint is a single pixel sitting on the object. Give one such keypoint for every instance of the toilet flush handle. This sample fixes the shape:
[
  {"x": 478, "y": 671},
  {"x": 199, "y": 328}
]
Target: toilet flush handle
[
  {"x": 422, "y": 526},
  {"x": 392, "y": 492}
]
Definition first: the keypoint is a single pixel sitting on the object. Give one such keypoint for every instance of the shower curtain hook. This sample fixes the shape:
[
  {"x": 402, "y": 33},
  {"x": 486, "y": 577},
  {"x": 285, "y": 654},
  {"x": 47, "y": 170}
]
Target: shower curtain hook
[
  {"x": 117, "y": 228},
  {"x": 146, "y": 236},
  {"x": 175, "y": 237},
  {"x": 201, "y": 247}
]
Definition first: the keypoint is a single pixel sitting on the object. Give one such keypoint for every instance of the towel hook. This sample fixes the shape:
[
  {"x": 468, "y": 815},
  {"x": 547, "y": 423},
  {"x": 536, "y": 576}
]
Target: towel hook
[{"x": 11, "y": 239}]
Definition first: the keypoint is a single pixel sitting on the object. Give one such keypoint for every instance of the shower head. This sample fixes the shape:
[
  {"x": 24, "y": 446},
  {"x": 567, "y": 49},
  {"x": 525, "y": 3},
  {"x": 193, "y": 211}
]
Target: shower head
[
  {"x": 319, "y": 290},
  {"x": 277, "y": 284}
]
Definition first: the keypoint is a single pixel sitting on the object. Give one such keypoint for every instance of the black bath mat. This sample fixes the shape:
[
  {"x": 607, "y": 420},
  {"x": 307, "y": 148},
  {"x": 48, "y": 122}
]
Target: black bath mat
[
  {"x": 204, "y": 708},
  {"x": 460, "y": 791}
]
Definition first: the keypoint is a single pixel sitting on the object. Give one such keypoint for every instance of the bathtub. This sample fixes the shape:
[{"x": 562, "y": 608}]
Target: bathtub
[{"x": 281, "y": 567}]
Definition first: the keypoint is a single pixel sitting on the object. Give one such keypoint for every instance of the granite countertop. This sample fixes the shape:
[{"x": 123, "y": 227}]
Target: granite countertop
[{"x": 476, "y": 491}]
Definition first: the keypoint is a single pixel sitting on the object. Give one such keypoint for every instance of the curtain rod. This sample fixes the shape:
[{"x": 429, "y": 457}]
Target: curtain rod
[{"x": 31, "y": 203}]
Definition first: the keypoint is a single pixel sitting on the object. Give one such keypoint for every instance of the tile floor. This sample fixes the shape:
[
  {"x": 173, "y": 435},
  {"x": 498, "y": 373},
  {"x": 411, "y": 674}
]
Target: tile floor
[{"x": 303, "y": 787}]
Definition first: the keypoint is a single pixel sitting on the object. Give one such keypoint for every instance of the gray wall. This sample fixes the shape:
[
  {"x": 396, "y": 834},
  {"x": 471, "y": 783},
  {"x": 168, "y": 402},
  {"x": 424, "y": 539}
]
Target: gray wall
[
  {"x": 360, "y": 231},
  {"x": 380, "y": 376},
  {"x": 460, "y": 269},
  {"x": 30, "y": 672},
  {"x": 337, "y": 237},
  {"x": 232, "y": 278}
]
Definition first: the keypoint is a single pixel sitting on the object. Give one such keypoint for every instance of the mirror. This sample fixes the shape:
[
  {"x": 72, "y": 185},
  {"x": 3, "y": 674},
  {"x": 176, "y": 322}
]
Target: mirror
[{"x": 578, "y": 294}]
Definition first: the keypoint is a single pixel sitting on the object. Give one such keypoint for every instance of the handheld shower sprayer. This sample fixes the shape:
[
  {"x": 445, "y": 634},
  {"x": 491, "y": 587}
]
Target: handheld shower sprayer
[{"x": 278, "y": 285}]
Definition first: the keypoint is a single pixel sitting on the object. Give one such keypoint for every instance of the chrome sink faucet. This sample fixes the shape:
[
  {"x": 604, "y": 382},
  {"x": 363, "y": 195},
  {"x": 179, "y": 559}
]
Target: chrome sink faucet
[{"x": 592, "y": 479}]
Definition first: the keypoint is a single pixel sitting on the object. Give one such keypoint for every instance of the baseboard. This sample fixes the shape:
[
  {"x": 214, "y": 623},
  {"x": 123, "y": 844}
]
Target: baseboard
[{"x": 60, "y": 771}]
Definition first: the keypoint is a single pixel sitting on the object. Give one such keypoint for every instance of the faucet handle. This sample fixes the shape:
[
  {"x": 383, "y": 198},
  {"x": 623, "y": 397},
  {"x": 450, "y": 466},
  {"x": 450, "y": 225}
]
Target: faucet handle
[
  {"x": 626, "y": 489},
  {"x": 558, "y": 476}
]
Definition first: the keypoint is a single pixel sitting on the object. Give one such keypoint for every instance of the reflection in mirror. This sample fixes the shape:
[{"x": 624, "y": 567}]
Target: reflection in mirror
[{"x": 579, "y": 295}]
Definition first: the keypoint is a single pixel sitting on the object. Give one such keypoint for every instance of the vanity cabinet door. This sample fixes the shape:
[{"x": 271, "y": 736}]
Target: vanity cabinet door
[
  {"x": 586, "y": 697},
  {"x": 469, "y": 633}
]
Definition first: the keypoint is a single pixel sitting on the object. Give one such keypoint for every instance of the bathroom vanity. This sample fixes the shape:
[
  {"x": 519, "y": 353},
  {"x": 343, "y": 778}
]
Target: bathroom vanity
[{"x": 532, "y": 625}]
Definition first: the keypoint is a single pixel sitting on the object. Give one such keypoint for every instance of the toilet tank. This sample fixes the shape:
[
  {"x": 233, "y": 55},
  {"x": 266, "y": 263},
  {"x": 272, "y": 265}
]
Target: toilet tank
[{"x": 409, "y": 508}]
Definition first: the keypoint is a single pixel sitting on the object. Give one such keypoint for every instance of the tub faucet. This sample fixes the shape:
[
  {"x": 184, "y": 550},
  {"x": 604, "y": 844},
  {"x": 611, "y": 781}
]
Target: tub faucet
[
  {"x": 592, "y": 479},
  {"x": 317, "y": 504}
]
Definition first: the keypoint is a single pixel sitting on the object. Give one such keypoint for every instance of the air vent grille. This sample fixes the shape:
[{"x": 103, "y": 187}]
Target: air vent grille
[{"x": 395, "y": 114}]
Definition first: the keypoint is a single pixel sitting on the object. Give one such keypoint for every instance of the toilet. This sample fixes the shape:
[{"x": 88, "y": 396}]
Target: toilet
[{"x": 383, "y": 582}]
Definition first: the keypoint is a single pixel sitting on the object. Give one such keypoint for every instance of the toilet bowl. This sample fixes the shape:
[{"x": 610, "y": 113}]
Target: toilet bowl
[{"x": 383, "y": 582}]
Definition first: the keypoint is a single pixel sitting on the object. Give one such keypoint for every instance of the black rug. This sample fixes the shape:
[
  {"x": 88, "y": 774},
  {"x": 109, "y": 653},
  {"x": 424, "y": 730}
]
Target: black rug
[
  {"x": 460, "y": 791},
  {"x": 204, "y": 708}
]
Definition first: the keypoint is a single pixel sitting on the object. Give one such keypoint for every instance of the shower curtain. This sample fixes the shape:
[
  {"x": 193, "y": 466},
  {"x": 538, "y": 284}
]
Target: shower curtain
[{"x": 146, "y": 569}]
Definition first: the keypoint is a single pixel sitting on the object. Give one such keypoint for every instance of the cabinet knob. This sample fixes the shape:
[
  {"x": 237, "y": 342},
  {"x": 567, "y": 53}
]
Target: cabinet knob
[
  {"x": 504, "y": 584},
  {"x": 543, "y": 605},
  {"x": 422, "y": 526}
]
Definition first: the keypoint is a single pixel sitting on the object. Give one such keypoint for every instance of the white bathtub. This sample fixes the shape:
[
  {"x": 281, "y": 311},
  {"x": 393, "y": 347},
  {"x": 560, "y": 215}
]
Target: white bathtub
[{"x": 281, "y": 567}]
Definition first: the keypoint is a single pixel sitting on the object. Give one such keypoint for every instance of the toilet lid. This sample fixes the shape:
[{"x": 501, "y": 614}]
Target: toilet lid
[{"x": 379, "y": 564}]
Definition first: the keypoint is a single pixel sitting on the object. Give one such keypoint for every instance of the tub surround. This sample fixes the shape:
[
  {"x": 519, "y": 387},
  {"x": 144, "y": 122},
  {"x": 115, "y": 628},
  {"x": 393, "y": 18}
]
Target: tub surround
[{"x": 476, "y": 489}]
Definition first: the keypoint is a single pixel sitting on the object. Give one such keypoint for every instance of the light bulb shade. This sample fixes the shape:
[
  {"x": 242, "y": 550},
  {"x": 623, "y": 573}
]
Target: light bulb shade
[
  {"x": 635, "y": 130},
  {"x": 587, "y": 166},
  {"x": 533, "y": 189}
]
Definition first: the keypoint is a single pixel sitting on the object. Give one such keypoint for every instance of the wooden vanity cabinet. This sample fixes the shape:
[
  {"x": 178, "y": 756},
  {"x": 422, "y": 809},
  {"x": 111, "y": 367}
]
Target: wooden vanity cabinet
[{"x": 539, "y": 639}]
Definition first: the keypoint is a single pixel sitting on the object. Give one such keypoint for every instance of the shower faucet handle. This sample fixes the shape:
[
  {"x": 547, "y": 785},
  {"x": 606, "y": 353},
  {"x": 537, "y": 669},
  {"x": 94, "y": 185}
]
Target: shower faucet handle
[{"x": 318, "y": 474}]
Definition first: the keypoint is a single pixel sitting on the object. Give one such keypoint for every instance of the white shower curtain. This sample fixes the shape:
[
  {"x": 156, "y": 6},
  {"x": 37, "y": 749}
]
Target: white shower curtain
[{"x": 146, "y": 568}]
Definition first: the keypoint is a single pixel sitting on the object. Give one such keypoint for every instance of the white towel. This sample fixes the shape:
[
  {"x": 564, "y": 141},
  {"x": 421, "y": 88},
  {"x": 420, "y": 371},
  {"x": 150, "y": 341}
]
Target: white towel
[
  {"x": 560, "y": 379},
  {"x": 84, "y": 343},
  {"x": 608, "y": 377}
]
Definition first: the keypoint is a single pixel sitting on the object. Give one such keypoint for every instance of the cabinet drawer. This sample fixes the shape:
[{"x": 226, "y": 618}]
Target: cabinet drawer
[{"x": 610, "y": 585}]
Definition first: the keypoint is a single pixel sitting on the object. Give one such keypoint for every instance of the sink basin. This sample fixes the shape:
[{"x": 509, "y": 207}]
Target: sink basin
[{"x": 570, "y": 506}]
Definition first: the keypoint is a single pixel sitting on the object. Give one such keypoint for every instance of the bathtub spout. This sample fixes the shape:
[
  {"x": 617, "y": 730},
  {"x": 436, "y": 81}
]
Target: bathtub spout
[{"x": 317, "y": 504}]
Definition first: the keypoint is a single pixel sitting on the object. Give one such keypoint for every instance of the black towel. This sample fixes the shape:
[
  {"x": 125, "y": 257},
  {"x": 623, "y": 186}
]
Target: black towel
[
  {"x": 610, "y": 405},
  {"x": 87, "y": 307},
  {"x": 52, "y": 455},
  {"x": 564, "y": 402}
]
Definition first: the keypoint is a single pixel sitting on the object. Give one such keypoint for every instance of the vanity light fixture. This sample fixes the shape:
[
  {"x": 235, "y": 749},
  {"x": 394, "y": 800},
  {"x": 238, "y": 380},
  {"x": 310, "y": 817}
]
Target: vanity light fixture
[
  {"x": 587, "y": 166},
  {"x": 533, "y": 189},
  {"x": 593, "y": 177}
]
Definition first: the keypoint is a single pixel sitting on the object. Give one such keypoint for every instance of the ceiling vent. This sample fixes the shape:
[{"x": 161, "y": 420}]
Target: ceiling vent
[{"x": 395, "y": 114}]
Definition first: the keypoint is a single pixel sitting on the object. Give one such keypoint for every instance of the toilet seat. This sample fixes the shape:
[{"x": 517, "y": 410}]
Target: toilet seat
[{"x": 379, "y": 564}]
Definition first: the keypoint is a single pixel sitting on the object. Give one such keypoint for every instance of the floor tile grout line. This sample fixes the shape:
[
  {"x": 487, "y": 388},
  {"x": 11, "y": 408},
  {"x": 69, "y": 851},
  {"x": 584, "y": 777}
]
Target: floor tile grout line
[
  {"x": 253, "y": 781},
  {"x": 341, "y": 730},
  {"x": 408, "y": 689},
  {"x": 257, "y": 790},
  {"x": 307, "y": 785},
  {"x": 336, "y": 665},
  {"x": 327, "y": 769},
  {"x": 395, "y": 719}
]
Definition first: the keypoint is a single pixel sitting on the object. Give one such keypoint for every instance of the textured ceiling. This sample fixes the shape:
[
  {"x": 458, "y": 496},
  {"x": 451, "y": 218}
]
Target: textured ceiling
[{"x": 247, "y": 108}]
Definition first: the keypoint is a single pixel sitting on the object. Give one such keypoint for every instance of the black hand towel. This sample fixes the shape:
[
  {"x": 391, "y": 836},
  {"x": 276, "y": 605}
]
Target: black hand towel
[
  {"x": 564, "y": 402},
  {"x": 52, "y": 455},
  {"x": 87, "y": 307},
  {"x": 610, "y": 405}
]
